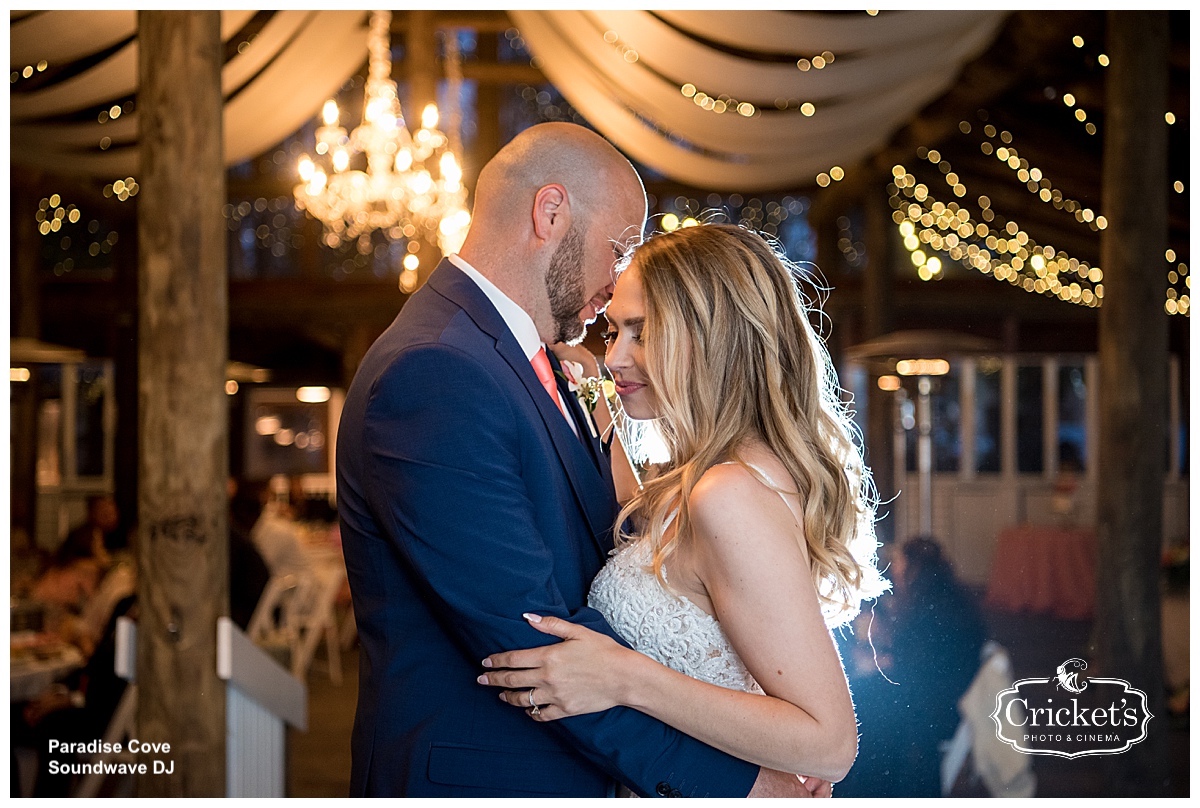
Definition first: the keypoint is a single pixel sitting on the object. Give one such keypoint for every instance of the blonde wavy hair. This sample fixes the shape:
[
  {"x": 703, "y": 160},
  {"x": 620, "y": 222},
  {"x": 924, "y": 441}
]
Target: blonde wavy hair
[{"x": 732, "y": 357}]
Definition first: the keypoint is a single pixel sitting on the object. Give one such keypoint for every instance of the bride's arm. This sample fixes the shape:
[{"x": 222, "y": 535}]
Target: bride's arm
[{"x": 758, "y": 579}]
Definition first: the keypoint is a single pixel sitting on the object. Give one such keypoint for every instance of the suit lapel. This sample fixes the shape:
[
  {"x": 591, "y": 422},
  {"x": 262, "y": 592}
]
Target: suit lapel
[
  {"x": 587, "y": 481},
  {"x": 582, "y": 422}
]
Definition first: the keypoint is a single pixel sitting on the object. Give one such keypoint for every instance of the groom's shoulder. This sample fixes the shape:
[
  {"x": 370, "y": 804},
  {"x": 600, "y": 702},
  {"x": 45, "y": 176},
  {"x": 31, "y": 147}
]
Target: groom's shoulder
[{"x": 427, "y": 322}]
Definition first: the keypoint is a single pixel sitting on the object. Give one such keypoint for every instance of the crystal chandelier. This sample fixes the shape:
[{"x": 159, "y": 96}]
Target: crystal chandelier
[{"x": 412, "y": 185}]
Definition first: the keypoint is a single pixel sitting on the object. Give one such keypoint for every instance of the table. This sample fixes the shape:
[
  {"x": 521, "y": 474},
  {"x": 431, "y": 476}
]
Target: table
[
  {"x": 1044, "y": 569},
  {"x": 31, "y": 673}
]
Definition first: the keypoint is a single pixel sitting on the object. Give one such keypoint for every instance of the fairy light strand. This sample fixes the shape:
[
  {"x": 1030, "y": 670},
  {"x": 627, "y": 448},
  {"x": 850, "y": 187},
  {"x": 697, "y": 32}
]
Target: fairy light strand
[{"x": 1007, "y": 254}]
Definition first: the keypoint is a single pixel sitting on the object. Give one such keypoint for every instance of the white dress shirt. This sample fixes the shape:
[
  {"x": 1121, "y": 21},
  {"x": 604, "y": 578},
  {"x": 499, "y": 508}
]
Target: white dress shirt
[{"x": 516, "y": 318}]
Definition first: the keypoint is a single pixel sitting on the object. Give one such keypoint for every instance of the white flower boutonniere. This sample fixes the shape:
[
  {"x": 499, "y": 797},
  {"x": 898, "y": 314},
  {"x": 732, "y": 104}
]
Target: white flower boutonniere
[{"x": 587, "y": 389}]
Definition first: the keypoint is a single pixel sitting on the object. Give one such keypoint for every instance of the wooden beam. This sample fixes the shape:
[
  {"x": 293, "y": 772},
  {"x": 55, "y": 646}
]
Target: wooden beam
[
  {"x": 183, "y": 539},
  {"x": 503, "y": 73},
  {"x": 484, "y": 22},
  {"x": 1133, "y": 403}
]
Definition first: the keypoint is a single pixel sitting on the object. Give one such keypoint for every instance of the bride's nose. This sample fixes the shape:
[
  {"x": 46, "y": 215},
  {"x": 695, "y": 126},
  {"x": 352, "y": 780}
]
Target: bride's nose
[{"x": 616, "y": 355}]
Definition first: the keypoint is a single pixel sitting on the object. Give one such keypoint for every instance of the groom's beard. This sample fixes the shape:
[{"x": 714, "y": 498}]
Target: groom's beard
[{"x": 564, "y": 286}]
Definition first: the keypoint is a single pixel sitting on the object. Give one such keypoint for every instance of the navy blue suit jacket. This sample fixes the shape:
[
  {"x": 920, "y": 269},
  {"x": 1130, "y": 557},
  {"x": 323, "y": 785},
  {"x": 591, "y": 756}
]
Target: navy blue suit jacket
[{"x": 465, "y": 500}]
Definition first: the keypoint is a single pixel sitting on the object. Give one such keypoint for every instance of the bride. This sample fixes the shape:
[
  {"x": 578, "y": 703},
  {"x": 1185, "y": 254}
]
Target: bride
[{"x": 748, "y": 545}]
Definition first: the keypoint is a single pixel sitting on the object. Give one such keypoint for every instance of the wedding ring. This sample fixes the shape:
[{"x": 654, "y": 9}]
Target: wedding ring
[{"x": 534, "y": 709}]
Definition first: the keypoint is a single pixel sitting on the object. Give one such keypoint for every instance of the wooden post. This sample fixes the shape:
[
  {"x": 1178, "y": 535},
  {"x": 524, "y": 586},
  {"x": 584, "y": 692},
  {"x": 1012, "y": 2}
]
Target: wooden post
[
  {"x": 879, "y": 295},
  {"x": 422, "y": 69},
  {"x": 26, "y": 290},
  {"x": 420, "y": 60},
  {"x": 124, "y": 353},
  {"x": 1133, "y": 385},
  {"x": 487, "y": 107},
  {"x": 182, "y": 549}
]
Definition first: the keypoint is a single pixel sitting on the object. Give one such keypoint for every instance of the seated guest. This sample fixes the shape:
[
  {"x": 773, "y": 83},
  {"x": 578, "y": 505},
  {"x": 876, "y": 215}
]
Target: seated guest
[
  {"x": 77, "y": 711},
  {"x": 248, "y": 573},
  {"x": 80, "y": 597},
  {"x": 926, "y": 641},
  {"x": 97, "y": 537},
  {"x": 26, "y": 561},
  {"x": 276, "y": 536}
]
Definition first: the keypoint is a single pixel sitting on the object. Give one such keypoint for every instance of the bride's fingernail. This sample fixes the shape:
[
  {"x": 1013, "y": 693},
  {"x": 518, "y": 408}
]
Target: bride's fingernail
[
  {"x": 483, "y": 680},
  {"x": 487, "y": 663},
  {"x": 532, "y": 618}
]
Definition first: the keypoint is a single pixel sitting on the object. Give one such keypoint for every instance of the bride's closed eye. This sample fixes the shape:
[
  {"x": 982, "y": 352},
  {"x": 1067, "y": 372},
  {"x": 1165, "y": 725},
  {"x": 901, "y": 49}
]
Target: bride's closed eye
[{"x": 611, "y": 335}]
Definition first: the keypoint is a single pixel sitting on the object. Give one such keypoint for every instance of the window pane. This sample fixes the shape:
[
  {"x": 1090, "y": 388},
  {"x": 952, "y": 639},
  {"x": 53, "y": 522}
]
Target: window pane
[
  {"x": 89, "y": 421},
  {"x": 987, "y": 415},
  {"x": 1029, "y": 419},
  {"x": 1072, "y": 418},
  {"x": 48, "y": 379},
  {"x": 946, "y": 414},
  {"x": 947, "y": 421}
]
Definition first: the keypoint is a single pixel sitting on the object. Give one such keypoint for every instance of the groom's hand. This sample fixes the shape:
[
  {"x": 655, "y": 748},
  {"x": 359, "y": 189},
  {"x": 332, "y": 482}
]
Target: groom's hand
[{"x": 772, "y": 783}]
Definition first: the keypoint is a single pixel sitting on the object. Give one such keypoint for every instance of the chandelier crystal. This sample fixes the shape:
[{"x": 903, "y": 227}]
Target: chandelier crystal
[{"x": 412, "y": 185}]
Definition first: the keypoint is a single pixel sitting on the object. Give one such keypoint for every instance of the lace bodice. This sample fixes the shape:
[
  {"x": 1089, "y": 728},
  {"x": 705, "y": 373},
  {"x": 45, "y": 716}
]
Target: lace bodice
[{"x": 666, "y": 627}]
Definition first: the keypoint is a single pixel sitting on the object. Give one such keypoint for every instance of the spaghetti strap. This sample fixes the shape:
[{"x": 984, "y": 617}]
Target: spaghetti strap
[{"x": 774, "y": 486}]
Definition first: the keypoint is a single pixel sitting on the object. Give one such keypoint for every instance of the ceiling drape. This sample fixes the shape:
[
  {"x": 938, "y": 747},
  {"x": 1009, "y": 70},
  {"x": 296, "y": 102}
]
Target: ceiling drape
[
  {"x": 272, "y": 86},
  {"x": 625, "y": 72}
]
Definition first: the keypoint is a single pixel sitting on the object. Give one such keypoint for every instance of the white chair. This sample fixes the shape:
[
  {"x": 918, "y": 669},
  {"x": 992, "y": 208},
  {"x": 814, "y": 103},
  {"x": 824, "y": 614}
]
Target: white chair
[
  {"x": 123, "y": 724},
  {"x": 296, "y": 611},
  {"x": 1005, "y": 772}
]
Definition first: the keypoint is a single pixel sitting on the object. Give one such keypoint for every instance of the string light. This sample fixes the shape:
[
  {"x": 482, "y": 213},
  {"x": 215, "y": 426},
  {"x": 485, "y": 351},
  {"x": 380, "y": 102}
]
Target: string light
[
  {"x": 1170, "y": 117},
  {"x": 627, "y": 53},
  {"x": 52, "y": 215},
  {"x": 719, "y": 104},
  {"x": 123, "y": 190},
  {"x": 1179, "y": 287},
  {"x": 27, "y": 71},
  {"x": 765, "y": 216},
  {"x": 1007, "y": 255},
  {"x": 1038, "y": 183},
  {"x": 854, "y": 251},
  {"x": 816, "y": 62}
]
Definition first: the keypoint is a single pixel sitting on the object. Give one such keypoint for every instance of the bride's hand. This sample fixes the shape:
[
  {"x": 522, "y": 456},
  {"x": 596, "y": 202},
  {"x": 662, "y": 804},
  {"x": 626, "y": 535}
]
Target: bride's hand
[{"x": 584, "y": 673}]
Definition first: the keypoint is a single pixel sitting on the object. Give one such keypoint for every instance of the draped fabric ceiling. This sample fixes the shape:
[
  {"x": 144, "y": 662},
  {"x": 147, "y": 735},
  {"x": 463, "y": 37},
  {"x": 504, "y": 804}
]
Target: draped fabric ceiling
[
  {"x": 272, "y": 87},
  {"x": 623, "y": 70}
]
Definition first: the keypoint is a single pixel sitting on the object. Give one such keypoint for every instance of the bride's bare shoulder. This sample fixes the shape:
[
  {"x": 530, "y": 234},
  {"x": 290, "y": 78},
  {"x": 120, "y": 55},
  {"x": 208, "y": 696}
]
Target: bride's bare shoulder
[{"x": 733, "y": 493}]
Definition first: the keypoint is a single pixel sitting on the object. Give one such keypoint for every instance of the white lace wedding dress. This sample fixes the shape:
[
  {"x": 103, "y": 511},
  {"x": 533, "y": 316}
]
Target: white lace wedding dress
[{"x": 666, "y": 627}]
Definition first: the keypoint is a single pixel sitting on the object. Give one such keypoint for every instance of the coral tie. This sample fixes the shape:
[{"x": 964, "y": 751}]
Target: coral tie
[{"x": 545, "y": 374}]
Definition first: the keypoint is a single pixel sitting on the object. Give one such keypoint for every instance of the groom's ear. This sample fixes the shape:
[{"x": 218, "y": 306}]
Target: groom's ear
[{"x": 550, "y": 212}]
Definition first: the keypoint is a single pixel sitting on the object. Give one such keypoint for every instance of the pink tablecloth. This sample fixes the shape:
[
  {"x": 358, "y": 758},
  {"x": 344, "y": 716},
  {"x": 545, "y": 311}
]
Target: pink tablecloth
[{"x": 1046, "y": 570}]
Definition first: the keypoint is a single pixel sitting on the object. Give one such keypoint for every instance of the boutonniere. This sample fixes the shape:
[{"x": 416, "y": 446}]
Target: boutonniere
[{"x": 587, "y": 389}]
